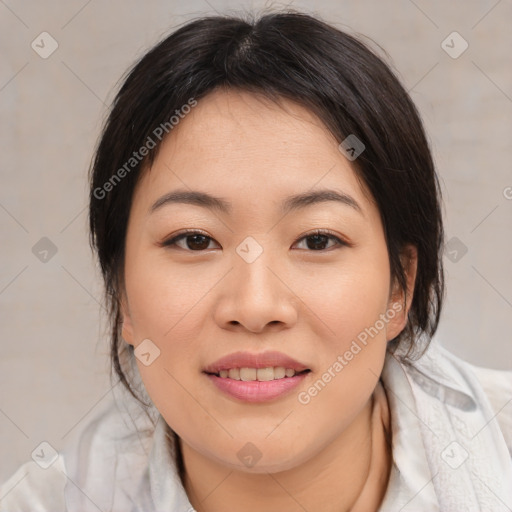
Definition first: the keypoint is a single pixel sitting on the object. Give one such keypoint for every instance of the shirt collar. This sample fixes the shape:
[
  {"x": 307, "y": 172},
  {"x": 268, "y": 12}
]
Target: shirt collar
[
  {"x": 434, "y": 373},
  {"x": 448, "y": 452},
  {"x": 410, "y": 485}
]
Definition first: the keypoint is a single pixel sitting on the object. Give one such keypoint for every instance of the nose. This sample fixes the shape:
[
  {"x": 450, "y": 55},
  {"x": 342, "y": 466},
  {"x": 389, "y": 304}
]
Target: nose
[{"x": 257, "y": 296}]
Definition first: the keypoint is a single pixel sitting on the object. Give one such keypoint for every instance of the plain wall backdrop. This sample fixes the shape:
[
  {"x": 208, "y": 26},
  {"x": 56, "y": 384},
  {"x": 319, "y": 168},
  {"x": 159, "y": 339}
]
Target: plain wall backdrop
[{"x": 54, "y": 353}]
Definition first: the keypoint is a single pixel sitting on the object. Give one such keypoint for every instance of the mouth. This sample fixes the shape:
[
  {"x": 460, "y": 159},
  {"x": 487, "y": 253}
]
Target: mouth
[
  {"x": 265, "y": 374},
  {"x": 256, "y": 377},
  {"x": 257, "y": 385}
]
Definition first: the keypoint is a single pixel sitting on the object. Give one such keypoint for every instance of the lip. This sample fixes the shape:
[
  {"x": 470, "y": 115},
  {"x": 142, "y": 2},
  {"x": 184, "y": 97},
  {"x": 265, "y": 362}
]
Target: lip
[
  {"x": 249, "y": 360},
  {"x": 256, "y": 391}
]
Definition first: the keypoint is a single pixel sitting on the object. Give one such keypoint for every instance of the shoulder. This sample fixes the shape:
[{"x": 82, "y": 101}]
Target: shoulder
[
  {"x": 497, "y": 386},
  {"x": 496, "y": 383},
  {"x": 33, "y": 487},
  {"x": 103, "y": 456},
  {"x": 490, "y": 389},
  {"x": 456, "y": 419}
]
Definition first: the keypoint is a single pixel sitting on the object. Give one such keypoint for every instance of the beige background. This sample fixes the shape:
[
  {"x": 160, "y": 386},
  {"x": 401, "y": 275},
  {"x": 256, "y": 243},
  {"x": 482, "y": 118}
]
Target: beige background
[{"x": 53, "y": 369}]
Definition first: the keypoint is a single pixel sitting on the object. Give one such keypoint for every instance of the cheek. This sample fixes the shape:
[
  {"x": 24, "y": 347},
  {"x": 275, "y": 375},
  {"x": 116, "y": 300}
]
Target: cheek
[
  {"x": 351, "y": 303},
  {"x": 163, "y": 297},
  {"x": 166, "y": 308},
  {"x": 353, "y": 345},
  {"x": 350, "y": 300}
]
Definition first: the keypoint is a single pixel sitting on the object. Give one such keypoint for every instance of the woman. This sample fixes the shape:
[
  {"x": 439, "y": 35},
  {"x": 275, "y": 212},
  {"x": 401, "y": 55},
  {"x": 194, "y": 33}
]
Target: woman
[{"x": 267, "y": 218}]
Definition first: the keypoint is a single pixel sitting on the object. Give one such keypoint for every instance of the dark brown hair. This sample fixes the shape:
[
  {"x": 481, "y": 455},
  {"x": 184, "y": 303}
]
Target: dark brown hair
[{"x": 298, "y": 57}]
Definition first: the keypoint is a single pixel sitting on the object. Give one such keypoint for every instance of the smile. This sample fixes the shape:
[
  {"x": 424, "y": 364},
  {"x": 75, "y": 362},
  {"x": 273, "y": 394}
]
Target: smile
[
  {"x": 259, "y": 374},
  {"x": 254, "y": 390}
]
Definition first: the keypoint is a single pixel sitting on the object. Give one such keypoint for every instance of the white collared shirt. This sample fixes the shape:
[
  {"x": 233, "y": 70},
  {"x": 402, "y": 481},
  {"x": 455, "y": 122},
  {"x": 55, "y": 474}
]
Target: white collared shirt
[{"x": 451, "y": 428}]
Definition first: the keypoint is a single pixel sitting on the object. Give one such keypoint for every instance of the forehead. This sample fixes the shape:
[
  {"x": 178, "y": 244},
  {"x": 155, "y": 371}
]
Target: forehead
[
  {"x": 243, "y": 146},
  {"x": 236, "y": 124}
]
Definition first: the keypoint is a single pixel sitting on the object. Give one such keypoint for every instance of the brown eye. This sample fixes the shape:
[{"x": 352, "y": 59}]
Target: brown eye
[
  {"x": 189, "y": 241},
  {"x": 318, "y": 240},
  {"x": 197, "y": 241}
]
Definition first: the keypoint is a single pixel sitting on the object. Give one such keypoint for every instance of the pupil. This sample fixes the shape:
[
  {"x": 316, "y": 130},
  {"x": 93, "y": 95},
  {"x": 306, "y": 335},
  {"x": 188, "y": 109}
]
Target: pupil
[
  {"x": 318, "y": 239},
  {"x": 203, "y": 245}
]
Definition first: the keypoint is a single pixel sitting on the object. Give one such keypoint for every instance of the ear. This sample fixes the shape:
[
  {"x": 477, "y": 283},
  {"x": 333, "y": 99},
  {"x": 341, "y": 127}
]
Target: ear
[
  {"x": 398, "y": 297},
  {"x": 127, "y": 330}
]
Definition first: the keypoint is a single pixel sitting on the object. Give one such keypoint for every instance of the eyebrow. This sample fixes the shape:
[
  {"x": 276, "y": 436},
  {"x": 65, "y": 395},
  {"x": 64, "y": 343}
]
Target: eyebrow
[{"x": 220, "y": 204}]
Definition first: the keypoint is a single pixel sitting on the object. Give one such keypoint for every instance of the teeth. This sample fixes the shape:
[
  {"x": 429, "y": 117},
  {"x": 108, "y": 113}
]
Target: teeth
[
  {"x": 264, "y": 374},
  {"x": 260, "y": 374},
  {"x": 234, "y": 373},
  {"x": 248, "y": 373},
  {"x": 279, "y": 372}
]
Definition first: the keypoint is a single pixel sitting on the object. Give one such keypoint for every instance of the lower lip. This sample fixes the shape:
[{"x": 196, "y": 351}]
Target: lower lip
[{"x": 257, "y": 391}]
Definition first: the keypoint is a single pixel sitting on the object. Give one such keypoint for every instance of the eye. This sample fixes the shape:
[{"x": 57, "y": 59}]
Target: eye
[
  {"x": 197, "y": 241},
  {"x": 317, "y": 239},
  {"x": 193, "y": 241}
]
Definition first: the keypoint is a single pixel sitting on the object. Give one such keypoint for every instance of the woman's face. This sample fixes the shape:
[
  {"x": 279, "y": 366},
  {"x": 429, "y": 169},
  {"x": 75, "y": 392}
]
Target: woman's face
[{"x": 256, "y": 280}]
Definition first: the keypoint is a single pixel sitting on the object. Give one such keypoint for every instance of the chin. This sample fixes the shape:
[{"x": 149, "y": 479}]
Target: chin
[{"x": 261, "y": 457}]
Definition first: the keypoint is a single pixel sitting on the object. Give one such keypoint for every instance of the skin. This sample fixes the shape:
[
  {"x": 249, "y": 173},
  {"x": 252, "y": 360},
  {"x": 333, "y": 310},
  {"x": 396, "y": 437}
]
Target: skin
[{"x": 310, "y": 303}]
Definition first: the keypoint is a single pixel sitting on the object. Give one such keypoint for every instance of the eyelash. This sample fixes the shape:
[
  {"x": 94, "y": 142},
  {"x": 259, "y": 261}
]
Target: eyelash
[{"x": 170, "y": 243}]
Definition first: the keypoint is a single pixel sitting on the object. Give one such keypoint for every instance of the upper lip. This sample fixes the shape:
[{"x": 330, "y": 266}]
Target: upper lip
[{"x": 250, "y": 360}]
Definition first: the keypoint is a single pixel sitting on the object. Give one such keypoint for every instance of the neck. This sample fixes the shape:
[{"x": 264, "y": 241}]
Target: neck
[{"x": 331, "y": 481}]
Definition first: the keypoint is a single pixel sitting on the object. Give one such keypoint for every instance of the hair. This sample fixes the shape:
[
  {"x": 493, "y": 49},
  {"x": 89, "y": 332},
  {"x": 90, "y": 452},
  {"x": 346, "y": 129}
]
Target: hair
[{"x": 284, "y": 55}]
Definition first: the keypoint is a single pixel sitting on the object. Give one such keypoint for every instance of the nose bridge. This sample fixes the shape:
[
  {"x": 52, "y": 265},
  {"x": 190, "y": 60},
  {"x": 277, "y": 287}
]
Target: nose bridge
[{"x": 251, "y": 266}]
